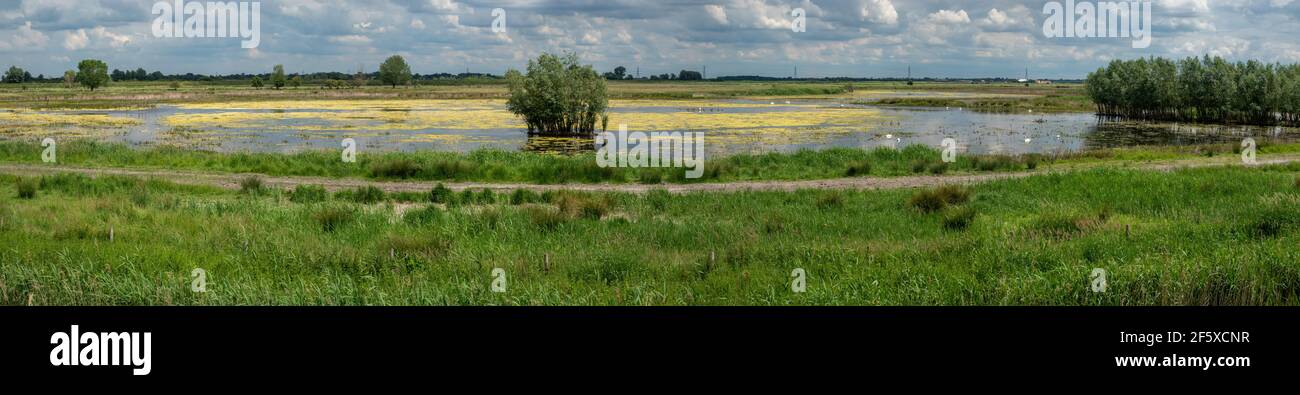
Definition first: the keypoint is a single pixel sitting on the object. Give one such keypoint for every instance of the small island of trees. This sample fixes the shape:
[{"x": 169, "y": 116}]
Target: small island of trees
[{"x": 1207, "y": 89}]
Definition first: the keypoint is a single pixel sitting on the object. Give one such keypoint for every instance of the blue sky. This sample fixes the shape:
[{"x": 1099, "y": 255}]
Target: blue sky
[{"x": 857, "y": 38}]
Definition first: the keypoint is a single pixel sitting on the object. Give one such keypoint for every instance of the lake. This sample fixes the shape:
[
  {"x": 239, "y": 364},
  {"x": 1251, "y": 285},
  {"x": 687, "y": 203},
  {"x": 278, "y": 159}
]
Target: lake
[{"x": 730, "y": 126}]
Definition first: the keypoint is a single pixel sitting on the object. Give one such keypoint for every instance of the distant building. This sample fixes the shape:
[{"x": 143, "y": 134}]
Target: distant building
[{"x": 1043, "y": 82}]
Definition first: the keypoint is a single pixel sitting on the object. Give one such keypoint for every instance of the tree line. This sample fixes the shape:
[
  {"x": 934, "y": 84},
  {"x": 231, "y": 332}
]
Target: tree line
[{"x": 1205, "y": 89}]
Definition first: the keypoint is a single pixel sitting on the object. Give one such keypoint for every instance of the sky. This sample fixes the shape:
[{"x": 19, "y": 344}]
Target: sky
[{"x": 849, "y": 38}]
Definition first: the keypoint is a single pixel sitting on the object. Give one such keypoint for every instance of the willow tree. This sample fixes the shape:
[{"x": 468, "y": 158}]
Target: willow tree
[
  {"x": 1198, "y": 89},
  {"x": 558, "y": 96}
]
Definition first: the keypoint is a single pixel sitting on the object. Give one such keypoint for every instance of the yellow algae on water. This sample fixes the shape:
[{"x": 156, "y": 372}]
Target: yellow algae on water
[
  {"x": 344, "y": 105},
  {"x": 465, "y": 119},
  {"x": 30, "y": 123},
  {"x": 37, "y": 119}
]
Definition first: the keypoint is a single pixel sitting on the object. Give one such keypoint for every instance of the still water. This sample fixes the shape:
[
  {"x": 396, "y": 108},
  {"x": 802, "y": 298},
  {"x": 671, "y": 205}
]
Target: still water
[{"x": 817, "y": 125}]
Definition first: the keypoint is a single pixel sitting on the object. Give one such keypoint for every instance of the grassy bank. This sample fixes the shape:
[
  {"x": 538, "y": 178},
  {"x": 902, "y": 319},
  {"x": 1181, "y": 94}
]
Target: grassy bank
[
  {"x": 1044, "y": 104},
  {"x": 1204, "y": 236},
  {"x": 526, "y": 167},
  {"x": 512, "y": 166}
]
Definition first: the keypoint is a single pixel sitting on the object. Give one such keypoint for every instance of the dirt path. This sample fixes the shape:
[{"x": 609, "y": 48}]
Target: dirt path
[{"x": 231, "y": 181}]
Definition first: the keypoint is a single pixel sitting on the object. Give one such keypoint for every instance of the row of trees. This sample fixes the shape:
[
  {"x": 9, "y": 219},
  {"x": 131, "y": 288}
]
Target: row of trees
[
  {"x": 1207, "y": 89},
  {"x": 620, "y": 73}
]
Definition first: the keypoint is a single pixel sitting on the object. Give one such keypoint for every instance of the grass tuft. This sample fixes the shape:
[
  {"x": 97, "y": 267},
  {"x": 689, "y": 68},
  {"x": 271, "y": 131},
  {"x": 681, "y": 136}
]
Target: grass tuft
[
  {"x": 27, "y": 188},
  {"x": 308, "y": 194}
]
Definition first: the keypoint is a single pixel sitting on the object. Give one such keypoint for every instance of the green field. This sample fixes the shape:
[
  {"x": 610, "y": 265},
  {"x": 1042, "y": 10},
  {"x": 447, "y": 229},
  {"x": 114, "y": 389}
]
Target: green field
[
  {"x": 1204, "y": 236},
  {"x": 1214, "y": 235}
]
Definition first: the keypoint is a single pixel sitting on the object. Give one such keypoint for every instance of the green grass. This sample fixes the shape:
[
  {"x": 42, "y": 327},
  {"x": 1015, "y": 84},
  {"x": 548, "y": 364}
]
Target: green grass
[
  {"x": 1214, "y": 236},
  {"x": 497, "y": 165}
]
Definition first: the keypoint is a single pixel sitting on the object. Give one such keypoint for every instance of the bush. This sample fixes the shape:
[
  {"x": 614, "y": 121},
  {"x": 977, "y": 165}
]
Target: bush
[
  {"x": 27, "y": 188},
  {"x": 331, "y": 219},
  {"x": 308, "y": 194},
  {"x": 930, "y": 201},
  {"x": 859, "y": 169},
  {"x": 953, "y": 194},
  {"x": 399, "y": 169},
  {"x": 441, "y": 194},
  {"x": 938, "y": 168},
  {"x": 1297, "y": 182},
  {"x": 919, "y": 166},
  {"x": 523, "y": 196},
  {"x": 927, "y": 202},
  {"x": 576, "y": 206},
  {"x": 366, "y": 195},
  {"x": 486, "y": 196},
  {"x": 557, "y": 95},
  {"x": 251, "y": 185},
  {"x": 466, "y": 197},
  {"x": 959, "y": 219}
]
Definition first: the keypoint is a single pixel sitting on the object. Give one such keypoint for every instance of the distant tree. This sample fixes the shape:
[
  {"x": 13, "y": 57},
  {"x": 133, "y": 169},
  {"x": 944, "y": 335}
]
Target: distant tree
[
  {"x": 92, "y": 73},
  {"x": 557, "y": 95},
  {"x": 14, "y": 75},
  {"x": 257, "y": 82},
  {"x": 296, "y": 81},
  {"x": 619, "y": 73},
  {"x": 359, "y": 79},
  {"x": 687, "y": 75},
  {"x": 277, "y": 77},
  {"x": 395, "y": 71},
  {"x": 69, "y": 78}
]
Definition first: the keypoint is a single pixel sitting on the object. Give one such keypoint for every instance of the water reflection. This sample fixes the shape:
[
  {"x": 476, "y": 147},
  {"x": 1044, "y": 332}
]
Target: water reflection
[{"x": 559, "y": 145}]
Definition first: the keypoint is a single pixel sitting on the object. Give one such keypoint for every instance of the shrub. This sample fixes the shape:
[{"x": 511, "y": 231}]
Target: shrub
[
  {"x": 927, "y": 202},
  {"x": 27, "y": 188},
  {"x": 953, "y": 194},
  {"x": 959, "y": 219},
  {"x": 859, "y": 169},
  {"x": 368, "y": 194},
  {"x": 331, "y": 219},
  {"x": 486, "y": 196},
  {"x": 576, "y": 206},
  {"x": 1297, "y": 182},
  {"x": 938, "y": 168},
  {"x": 399, "y": 168},
  {"x": 308, "y": 194},
  {"x": 522, "y": 196},
  {"x": 930, "y": 201},
  {"x": 466, "y": 197},
  {"x": 441, "y": 194},
  {"x": 919, "y": 166},
  {"x": 557, "y": 95},
  {"x": 251, "y": 185}
]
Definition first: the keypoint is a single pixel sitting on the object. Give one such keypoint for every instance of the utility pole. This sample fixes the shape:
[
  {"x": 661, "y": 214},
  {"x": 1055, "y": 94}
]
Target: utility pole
[
  {"x": 706, "y": 72},
  {"x": 796, "y": 72}
]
